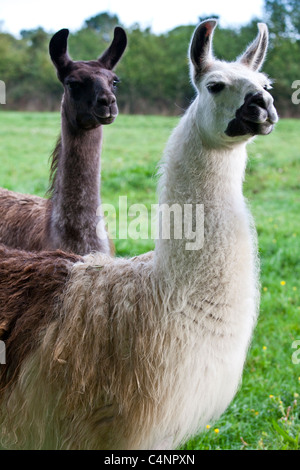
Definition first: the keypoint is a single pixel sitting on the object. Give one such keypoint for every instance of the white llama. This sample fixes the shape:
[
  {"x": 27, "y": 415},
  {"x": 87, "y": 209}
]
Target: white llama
[{"x": 141, "y": 353}]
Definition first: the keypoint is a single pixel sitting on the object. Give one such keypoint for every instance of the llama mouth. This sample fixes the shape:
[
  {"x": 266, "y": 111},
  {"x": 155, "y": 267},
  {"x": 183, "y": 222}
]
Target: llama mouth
[
  {"x": 260, "y": 128},
  {"x": 105, "y": 120},
  {"x": 106, "y": 114},
  {"x": 242, "y": 127},
  {"x": 93, "y": 121}
]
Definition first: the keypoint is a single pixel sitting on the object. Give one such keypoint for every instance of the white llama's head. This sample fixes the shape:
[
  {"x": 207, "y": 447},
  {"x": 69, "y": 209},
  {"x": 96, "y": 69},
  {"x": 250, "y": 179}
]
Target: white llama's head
[{"x": 234, "y": 103}]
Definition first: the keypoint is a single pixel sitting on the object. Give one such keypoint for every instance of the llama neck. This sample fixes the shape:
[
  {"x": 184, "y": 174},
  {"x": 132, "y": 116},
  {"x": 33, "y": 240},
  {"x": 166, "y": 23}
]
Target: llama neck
[
  {"x": 211, "y": 180},
  {"x": 193, "y": 172},
  {"x": 76, "y": 191}
]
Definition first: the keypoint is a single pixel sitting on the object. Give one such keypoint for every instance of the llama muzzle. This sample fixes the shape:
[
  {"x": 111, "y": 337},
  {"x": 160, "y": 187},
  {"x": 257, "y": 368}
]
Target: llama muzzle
[{"x": 256, "y": 116}]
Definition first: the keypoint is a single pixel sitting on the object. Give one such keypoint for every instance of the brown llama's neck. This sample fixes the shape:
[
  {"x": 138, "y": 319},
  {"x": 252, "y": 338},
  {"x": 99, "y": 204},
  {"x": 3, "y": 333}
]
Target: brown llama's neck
[{"x": 75, "y": 192}]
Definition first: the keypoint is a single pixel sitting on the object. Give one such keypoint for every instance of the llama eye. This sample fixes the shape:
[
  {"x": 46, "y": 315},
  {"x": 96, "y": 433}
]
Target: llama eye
[
  {"x": 73, "y": 85},
  {"x": 215, "y": 87},
  {"x": 267, "y": 87},
  {"x": 116, "y": 82}
]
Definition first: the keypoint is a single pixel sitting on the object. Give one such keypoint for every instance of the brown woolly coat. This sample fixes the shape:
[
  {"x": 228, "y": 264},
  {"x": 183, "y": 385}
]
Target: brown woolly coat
[
  {"x": 30, "y": 288},
  {"x": 28, "y": 214}
]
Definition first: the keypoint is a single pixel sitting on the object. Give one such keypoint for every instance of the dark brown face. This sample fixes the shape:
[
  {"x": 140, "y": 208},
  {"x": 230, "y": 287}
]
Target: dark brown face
[
  {"x": 90, "y": 87},
  {"x": 91, "y": 93}
]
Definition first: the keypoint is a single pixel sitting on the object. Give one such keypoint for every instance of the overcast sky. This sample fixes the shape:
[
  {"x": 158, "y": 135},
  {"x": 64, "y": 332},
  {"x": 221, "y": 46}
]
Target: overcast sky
[{"x": 160, "y": 15}]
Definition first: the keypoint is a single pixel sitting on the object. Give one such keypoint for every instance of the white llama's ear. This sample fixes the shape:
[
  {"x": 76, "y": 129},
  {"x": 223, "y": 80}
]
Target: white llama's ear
[
  {"x": 201, "y": 46},
  {"x": 255, "y": 54}
]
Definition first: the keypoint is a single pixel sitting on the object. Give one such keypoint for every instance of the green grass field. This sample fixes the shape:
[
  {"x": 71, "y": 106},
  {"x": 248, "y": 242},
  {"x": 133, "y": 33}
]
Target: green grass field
[{"x": 265, "y": 413}]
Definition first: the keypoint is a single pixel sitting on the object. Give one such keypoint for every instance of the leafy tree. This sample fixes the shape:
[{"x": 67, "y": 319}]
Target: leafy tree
[
  {"x": 283, "y": 16},
  {"x": 103, "y": 23},
  {"x": 154, "y": 70},
  {"x": 86, "y": 44}
]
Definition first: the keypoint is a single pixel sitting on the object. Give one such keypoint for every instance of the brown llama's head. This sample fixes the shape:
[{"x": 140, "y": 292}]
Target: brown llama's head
[{"x": 89, "y": 86}]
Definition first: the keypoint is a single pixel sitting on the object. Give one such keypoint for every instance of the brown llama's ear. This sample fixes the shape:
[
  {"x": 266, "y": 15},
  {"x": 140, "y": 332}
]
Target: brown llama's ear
[
  {"x": 255, "y": 54},
  {"x": 113, "y": 54},
  {"x": 201, "y": 46},
  {"x": 58, "y": 52}
]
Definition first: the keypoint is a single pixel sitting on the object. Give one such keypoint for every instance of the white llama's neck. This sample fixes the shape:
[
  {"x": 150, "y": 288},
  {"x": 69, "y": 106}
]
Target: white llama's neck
[
  {"x": 195, "y": 175},
  {"x": 193, "y": 172}
]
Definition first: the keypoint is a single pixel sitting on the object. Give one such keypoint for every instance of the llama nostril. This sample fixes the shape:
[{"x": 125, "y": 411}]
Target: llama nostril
[
  {"x": 258, "y": 100},
  {"x": 102, "y": 101},
  {"x": 106, "y": 100}
]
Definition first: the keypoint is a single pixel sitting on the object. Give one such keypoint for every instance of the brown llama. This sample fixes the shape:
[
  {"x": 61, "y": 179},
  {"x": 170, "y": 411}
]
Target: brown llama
[
  {"x": 111, "y": 353},
  {"x": 68, "y": 219}
]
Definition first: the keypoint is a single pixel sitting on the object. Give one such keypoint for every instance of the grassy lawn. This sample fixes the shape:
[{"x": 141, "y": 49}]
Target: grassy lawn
[{"x": 265, "y": 413}]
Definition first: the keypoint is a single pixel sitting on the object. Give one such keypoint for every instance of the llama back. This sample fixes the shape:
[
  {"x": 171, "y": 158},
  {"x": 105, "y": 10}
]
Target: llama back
[
  {"x": 87, "y": 404},
  {"x": 167, "y": 368},
  {"x": 121, "y": 365},
  {"x": 22, "y": 220}
]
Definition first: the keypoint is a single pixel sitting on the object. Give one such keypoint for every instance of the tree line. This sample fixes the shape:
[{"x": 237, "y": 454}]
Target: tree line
[{"x": 154, "y": 69}]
